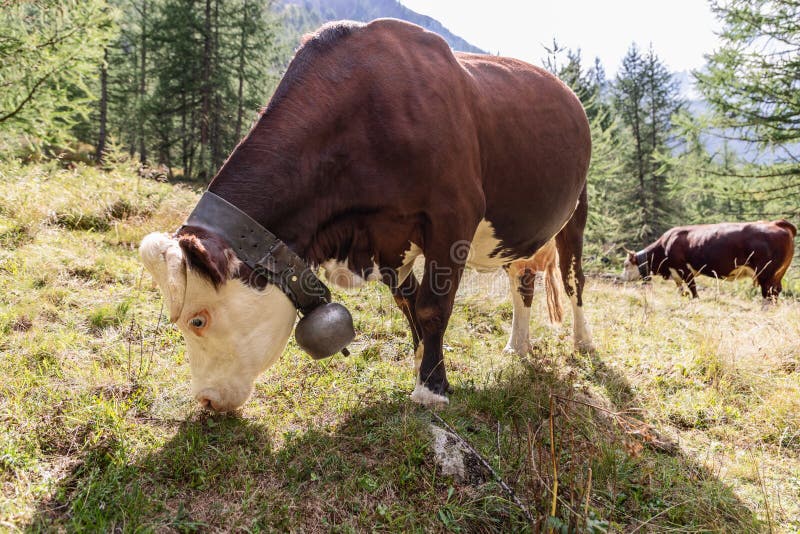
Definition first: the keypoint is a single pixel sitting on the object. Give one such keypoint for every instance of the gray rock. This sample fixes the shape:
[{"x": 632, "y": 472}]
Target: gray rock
[{"x": 456, "y": 460}]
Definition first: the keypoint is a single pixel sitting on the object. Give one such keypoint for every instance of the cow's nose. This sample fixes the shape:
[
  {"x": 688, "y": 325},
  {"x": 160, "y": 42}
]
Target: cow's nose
[{"x": 210, "y": 400}]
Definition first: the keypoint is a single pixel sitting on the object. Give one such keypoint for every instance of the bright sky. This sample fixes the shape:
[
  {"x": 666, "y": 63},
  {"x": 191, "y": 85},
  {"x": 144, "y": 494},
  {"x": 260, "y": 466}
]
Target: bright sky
[{"x": 681, "y": 31}]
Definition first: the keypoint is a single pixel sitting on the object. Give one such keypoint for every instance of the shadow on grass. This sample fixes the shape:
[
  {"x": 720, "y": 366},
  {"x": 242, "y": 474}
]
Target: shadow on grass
[
  {"x": 374, "y": 470},
  {"x": 616, "y": 384}
]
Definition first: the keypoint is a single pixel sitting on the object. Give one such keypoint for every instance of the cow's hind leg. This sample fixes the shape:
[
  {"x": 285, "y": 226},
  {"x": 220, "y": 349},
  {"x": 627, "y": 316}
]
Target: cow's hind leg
[
  {"x": 521, "y": 280},
  {"x": 770, "y": 284},
  {"x": 569, "y": 243},
  {"x": 770, "y": 279}
]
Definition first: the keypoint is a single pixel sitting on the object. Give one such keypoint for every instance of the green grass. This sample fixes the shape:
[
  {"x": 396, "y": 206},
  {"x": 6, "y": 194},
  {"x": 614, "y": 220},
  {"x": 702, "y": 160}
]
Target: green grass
[{"x": 98, "y": 430}]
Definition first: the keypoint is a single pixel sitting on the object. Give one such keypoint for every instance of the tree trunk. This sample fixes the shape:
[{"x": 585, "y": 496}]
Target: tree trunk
[
  {"x": 240, "y": 73},
  {"x": 205, "y": 105},
  {"x": 216, "y": 109},
  {"x": 99, "y": 152},
  {"x": 192, "y": 146},
  {"x": 655, "y": 102},
  {"x": 637, "y": 133},
  {"x": 654, "y": 193},
  {"x": 143, "y": 85},
  {"x": 184, "y": 136},
  {"x": 165, "y": 156},
  {"x": 636, "y": 125}
]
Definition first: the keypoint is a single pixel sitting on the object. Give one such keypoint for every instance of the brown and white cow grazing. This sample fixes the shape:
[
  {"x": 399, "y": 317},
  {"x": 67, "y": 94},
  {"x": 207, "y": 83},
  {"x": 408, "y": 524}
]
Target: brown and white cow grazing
[
  {"x": 378, "y": 146},
  {"x": 760, "y": 250}
]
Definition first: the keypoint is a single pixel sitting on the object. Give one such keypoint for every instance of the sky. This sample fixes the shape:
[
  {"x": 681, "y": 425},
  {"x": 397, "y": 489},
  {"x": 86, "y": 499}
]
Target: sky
[{"x": 681, "y": 31}]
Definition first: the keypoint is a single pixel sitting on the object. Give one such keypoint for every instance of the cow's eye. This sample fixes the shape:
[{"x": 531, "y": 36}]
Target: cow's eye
[{"x": 198, "y": 321}]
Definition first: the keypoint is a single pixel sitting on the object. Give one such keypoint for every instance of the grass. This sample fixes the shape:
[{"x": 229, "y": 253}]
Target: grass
[{"x": 687, "y": 418}]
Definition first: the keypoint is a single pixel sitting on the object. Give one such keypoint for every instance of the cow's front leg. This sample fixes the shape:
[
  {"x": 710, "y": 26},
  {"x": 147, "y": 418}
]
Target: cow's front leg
[
  {"x": 680, "y": 277},
  {"x": 676, "y": 277},
  {"x": 692, "y": 286},
  {"x": 433, "y": 308}
]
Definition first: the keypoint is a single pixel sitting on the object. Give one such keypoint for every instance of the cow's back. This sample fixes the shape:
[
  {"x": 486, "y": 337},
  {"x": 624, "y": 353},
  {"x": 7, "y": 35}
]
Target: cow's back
[
  {"x": 535, "y": 148},
  {"x": 467, "y": 132},
  {"x": 401, "y": 136},
  {"x": 724, "y": 247}
]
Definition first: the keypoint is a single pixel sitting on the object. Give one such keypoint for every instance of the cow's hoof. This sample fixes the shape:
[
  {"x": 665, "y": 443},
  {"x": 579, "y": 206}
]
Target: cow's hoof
[
  {"x": 426, "y": 397},
  {"x": 521, "y": 349},
  {"x": 585, "y": 346},
  {"x": 768, "y": 303}
]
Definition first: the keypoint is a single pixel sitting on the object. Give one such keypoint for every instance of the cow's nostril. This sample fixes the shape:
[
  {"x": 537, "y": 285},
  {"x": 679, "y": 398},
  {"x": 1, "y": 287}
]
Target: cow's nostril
[{"x": 209, "y": 399}]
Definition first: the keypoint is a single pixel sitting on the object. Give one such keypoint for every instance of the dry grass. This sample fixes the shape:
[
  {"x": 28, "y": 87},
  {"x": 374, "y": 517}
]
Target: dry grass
[{"x": 687, "y": 418}]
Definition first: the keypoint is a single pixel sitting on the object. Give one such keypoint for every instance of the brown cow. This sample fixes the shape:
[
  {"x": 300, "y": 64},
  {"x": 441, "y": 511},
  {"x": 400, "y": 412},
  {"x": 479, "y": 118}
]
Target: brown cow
[
  {"x": 761, "y": 250},
  {"x": 379, "y": 145}
]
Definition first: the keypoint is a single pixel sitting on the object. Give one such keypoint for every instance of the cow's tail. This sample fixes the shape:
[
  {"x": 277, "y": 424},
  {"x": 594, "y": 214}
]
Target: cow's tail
[
  {"x": 552, "y": 288},
  {"x": 783, "y": 223}
]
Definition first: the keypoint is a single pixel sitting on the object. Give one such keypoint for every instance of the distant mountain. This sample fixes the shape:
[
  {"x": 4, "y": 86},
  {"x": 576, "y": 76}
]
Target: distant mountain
[
  {"x": 307, "y": 15},
  {"x": 686, "y": 82}
]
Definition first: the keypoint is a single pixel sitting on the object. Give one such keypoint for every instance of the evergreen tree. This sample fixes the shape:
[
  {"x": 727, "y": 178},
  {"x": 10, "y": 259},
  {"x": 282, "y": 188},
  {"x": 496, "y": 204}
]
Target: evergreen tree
[
  {"x": 184, "y": 76},
  {"x": 646, "y": 97},
  {"x": 588, "y": 84},
  {"x": 751, "y": 82},
  {"x": 607, "y": 182},
  {"x": 50, "y": 51},
  {"x": 604, "y": 230}
]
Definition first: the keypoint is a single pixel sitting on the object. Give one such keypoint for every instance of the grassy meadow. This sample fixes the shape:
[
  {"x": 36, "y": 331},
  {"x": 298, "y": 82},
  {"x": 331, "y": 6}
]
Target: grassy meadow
[{"x": 687, "y": 418}]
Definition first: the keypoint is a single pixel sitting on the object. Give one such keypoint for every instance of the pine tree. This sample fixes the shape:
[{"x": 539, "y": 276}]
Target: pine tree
[
  {"x": 751, "y": 83},
  {"x": 605, "y": 181},
  {"x": 646, "y": 97},
  {"x": 184, "y": 76},
  {"x": 588, "y": 84},
  {"x": 751, "y": 80},
  {"x": 50, "y": 53}
]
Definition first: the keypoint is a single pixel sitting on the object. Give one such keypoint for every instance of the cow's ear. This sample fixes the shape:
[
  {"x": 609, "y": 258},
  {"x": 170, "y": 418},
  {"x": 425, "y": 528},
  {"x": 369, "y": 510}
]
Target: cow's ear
[
  {"x": 209, "y": 256},
  {"x": 164, "y": 259},
  {"x": 632, "y": 257}
]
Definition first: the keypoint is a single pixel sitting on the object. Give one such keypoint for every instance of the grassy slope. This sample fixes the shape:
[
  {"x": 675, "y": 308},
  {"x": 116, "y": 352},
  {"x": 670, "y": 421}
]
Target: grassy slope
[{"x": 97, "y": 428}]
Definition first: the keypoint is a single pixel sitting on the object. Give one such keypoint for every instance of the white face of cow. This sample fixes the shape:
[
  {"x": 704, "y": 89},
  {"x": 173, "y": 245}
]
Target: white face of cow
[
  {"x": 630, "y": 270},
  {"x": 233, "y": 332}
]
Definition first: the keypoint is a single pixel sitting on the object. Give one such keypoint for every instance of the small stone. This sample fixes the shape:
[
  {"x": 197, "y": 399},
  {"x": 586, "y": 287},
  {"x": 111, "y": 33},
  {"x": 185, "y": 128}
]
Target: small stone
[{"x": 456, "y": 460}]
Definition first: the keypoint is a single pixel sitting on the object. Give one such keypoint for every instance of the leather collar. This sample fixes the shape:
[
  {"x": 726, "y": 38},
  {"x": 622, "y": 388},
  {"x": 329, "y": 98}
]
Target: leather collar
[
  {"x": 261, "y": 250},
  {"x": 643, "y": 265}
]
